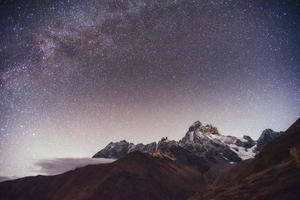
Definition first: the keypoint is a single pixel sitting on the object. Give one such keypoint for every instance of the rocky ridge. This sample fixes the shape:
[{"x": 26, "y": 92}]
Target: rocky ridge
[{"x": 201, "y": 140}]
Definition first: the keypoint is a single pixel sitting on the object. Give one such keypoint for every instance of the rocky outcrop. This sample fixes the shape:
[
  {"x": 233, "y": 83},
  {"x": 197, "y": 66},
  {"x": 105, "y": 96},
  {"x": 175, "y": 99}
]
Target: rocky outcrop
[
  {"x": 122, "y": 148},
  {"x": 246, "y": 142},
  {"x": 266, "y": 137},
  {"x": 206, "y": 141},
  {"x": 114, "y": 150},
  {"x": 202, "y": 140}
]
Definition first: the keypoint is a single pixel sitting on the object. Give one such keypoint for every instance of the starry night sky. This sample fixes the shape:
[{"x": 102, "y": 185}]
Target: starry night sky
[{"x": 76, "y": 75}]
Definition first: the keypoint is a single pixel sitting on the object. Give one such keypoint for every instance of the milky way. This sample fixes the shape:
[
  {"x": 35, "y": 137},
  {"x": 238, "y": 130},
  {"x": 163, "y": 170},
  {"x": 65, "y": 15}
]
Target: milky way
[{"x": 76, "y": 75}]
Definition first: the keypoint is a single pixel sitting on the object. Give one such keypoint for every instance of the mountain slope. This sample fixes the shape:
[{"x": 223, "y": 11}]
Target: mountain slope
[
  {"x": 174, "y": 172},
  {"x": 135, "y": 176},
  {"x": 273, "y": 175}
]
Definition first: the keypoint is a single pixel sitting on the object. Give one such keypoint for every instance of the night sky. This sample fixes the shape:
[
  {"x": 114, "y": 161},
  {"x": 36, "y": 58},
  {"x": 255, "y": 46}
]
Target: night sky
[{"x": 75, "y": 75}]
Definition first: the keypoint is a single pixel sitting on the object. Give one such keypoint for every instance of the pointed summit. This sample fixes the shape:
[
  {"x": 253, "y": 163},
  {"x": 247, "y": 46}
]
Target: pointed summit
[
  {"x": 266, "y": 137},
  {"x": 199, "y": 130},
  {"x": 195, "y": 125}
]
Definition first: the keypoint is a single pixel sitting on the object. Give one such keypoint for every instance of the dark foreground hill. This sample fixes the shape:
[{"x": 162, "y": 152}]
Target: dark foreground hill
[
  {"x": 174, "y": 173},
  {"x": 135, "y": 176},
  {"x": 273, "y": 175}
]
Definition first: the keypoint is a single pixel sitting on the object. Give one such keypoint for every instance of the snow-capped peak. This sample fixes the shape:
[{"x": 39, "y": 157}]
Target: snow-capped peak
[
  {"x": 208, "y": 137},
  {"x": 199, "y": 130},
  {"x": 203, "y": 140}
]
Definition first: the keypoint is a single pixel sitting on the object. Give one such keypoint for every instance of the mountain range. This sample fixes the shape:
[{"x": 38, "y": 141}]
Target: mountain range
[
  {"x": 202, "y": 140},
  {"x": 203, "y": 165}
]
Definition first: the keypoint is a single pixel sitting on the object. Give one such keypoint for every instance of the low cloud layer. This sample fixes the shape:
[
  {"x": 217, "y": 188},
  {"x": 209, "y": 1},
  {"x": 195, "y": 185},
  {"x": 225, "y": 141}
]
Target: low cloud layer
[
  {"x": 61, "y": 165},
  {"x": 3, "y": 178},
  {"x": 6, "y": 178}
]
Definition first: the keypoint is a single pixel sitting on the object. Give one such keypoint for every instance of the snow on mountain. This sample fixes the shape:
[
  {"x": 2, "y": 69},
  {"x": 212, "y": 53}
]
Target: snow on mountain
[
  {"x": 203, "y": 140},
  {"x": 121, "y": 148},
  {"x": 243, "y": 153},
  {"x": 208, "y": 138}
]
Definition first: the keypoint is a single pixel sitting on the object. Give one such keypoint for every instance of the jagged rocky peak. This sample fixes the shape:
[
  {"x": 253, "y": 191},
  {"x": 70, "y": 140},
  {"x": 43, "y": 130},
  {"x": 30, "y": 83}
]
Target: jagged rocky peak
[
  {"x": 205, "y": 129},
  {"x": 207, "y": 138},
  {"x": 269, "y": 133},
  {"x": 248, "y": 138},
  {"x": 114, "y": 150},
  {"x": 206, "y": 141},
  {"x": 246, "y": 142},
  {"x": 151, "y": 147},
  {"x": 195, "y": 125},
  {"x": 121, "y": 148},
  {"x": 164, "y": 139},
  {"x": 198, "y": 131},
  {"x": 122, "y": 143},
  {"x": 166, "y": 143},
  {"x": 201, "y": 140},
  {"x": 266, "y": 137}
]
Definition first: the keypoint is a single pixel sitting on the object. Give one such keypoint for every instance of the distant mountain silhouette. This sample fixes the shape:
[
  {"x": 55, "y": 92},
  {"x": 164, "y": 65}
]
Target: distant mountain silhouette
[{"x": 175, "y": 172}]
